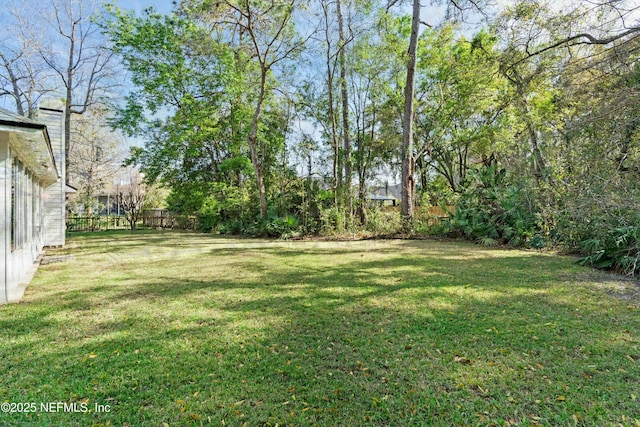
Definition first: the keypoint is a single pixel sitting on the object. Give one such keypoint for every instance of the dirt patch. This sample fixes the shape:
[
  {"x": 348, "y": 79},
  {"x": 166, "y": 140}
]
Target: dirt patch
[{"x": 625, "y": 288}]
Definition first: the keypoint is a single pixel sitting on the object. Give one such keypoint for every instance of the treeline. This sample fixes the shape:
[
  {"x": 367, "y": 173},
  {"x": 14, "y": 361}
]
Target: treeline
[{"x": 276, "y": 118}]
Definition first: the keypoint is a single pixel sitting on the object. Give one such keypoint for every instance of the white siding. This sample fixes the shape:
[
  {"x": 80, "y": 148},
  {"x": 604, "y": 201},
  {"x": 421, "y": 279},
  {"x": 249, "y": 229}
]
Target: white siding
[
  {"x": 54, "y": 196},
  {"x": 21, "y": 243},
  {"x": 5, "y": 212},
  {"x": 24, "y": 174}
]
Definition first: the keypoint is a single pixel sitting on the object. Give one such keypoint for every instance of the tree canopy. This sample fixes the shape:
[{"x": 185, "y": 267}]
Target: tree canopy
[{"x": 292, "y": 116}]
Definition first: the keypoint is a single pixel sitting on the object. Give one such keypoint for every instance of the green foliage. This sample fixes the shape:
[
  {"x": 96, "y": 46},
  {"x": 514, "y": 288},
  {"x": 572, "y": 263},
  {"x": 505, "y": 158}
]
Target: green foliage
[
  {"x": 156, "y": 197},
  {"x": 492, "y": 212},
  {"x": 618, "y": 251},
  {"x": 333, "y": 220},
  {"x": 313, "y": 201},
  {"x": 437, "y": 192},
  {"x": 336, "y": 221},
  {"x": 461, "y": 105},
  {"x": 187, "y": 199},
  {"x": 384, "y": 222},
  {"x": 563, "y": 123},
  {"x": 274, "y": 226}
]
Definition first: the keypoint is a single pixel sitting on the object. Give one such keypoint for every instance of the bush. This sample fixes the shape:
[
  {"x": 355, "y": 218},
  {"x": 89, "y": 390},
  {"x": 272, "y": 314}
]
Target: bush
[
  {"x": 382, "y": 221},
  {"x": 332, "y": 220},
  {"x": 275, "y": 226},
  {"x": 209, "y": 215},
  {"x": 618, "y": 251},
  {"x": 493, "y": 212},
  {"x": 232, "y": 226},
  {"x": 223, "y": 209}
]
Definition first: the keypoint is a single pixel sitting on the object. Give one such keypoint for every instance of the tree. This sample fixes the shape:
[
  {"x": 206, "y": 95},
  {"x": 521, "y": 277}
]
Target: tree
[
  {"x": 374, "y": 88},
  {"x": 181, "y": 70},
  {"x": 462, "y": 105},
  {"x": 344, "y": 94},
  {"x": 265, "y": 30},
  {"x": 95, "y": 156},
  {"x": 331, "y": 114},
  {"x": 408, "y": 183},
  {"x": 408, "y": 159},
  {"x": 84, "y": 69},
  {"x": 132, "y": 196},
  {"x": 24, "y": 77},
  {"x": 57, "y": 46}
]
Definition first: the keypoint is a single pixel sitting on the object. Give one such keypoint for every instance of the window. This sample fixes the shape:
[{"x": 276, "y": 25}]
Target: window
[
  {"x": 19, "y": 200},
  {"x": 35, "y": 208},
  {"x": 14, "y": 177}
]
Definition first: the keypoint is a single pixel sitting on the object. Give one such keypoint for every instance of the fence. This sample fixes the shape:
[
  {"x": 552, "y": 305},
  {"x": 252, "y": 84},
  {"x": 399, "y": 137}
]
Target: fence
[
  {"x": 153, "y": 218},
  {"x": 162, "y": 218},
  {"x": 96, "y": 223}
]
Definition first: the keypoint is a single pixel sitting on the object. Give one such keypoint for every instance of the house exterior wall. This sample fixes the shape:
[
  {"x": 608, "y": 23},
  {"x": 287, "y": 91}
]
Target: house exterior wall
[
  {"x": 27, "y": 173},
  {"x": 21, "y": 221},
  {"x": 5, "y": 212},
  {"x": 54, "y": 196}
]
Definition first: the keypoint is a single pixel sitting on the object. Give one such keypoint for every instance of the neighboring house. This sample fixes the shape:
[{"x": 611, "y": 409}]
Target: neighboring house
[
  {"x": 32, "y": 197},
  {"x": 387, "y": 195}
]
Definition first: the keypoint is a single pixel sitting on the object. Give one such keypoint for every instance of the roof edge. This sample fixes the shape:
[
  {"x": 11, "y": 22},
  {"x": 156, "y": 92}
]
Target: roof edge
[
  {"x": 57, "y": 110},
  {"x": 24, "y": 124}
]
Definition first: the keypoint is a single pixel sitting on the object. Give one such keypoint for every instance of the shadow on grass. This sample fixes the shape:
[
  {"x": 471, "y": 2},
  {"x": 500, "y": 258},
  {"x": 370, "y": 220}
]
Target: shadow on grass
[{"x": 309, "y": 336}]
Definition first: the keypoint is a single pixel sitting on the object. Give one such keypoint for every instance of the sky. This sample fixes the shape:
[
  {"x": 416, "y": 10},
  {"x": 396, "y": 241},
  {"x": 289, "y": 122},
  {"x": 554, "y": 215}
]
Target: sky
[
  {"x": 432, "y": 14},
  {"x": 162, "y": 6}
]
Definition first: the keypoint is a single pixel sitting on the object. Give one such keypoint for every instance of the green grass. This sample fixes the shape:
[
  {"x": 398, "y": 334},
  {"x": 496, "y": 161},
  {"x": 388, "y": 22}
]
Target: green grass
[{"x": 176, "y": 329}]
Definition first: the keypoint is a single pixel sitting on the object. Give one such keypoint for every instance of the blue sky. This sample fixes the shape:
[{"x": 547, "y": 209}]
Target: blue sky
[{"x": 162, "y": 6}]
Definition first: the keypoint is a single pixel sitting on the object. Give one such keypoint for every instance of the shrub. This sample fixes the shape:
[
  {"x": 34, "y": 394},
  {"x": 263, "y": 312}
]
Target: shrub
[
  {"x": 383, "y": 221},
  {"x": 274, "y": 226},
  {"x": 223, "y": 209},
  {"x": 332, "y": 220},
  {"x": 209, "y": 214},
  {"x": 618, "y": 251},
  {"x": 492, "y": 212}
]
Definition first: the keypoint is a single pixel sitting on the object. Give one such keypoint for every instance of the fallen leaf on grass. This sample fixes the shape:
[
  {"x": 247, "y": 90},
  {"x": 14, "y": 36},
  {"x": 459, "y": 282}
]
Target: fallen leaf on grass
[{"x": 462, "y": 360}]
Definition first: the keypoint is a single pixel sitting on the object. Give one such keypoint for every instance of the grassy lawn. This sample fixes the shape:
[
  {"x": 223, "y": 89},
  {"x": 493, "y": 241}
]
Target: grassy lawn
[{"x": 187, "y": 329}]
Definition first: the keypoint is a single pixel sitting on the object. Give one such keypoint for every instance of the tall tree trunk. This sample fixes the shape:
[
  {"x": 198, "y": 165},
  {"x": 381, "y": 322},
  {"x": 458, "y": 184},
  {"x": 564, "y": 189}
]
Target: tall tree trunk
[
  {"x": 337, "y": 172},
  {"x": 424, "y": 179},
  {"x": 253, "y": 145},
  {"x": 408, "y": 184},
  {"x": 68, "y": 102},
  {"x": 337, "y": 168},
  {"x": 362, "y": 196},
  {"x": 348, "y": 197},
  {"x": 539, "y": 165}
]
